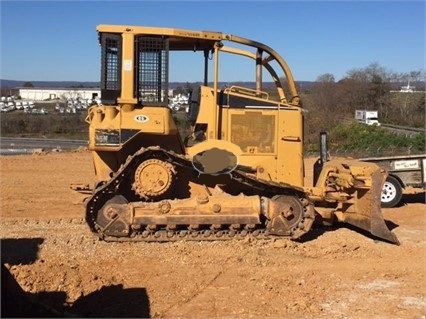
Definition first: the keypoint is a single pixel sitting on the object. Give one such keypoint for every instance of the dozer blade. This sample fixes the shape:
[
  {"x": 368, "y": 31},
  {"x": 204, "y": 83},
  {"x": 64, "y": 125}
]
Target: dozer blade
[
  {"x": 359, "y": 186},
  {"x": 369, "y": 214}
]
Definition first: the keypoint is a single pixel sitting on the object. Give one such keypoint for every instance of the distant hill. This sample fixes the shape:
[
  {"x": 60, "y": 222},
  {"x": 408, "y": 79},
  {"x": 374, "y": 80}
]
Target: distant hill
[
  {"x": 302, "y": 85},
  {"x": 48, "y": 84}
]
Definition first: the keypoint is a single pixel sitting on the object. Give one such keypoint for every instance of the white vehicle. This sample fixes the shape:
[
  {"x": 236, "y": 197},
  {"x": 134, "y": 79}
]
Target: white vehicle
[
  {"x": 7, "y": 106},
  {"x": 180, "y": 99},
  {"x": 18, "y": 105},
  {"x": 367, "y": 117},
  {"x": 10, "y": 106},
  {"x": 98, "y": 101},
  {"x": 174, "y": 106}
]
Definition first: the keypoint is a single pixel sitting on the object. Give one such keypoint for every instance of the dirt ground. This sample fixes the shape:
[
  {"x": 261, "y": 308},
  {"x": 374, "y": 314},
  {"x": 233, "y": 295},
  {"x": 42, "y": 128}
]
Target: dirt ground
[{"x": 333, "y": 273}]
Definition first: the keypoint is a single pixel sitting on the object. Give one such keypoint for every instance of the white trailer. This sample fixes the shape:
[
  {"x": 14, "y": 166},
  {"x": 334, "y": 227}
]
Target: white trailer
[
  {"x": 406, "y": 173},
  {"x": 367, "y": 117}
]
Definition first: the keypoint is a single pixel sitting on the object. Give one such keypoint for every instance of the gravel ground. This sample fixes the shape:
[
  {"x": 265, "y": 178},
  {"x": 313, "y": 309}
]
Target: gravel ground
[{"x": 331, "y": 273}]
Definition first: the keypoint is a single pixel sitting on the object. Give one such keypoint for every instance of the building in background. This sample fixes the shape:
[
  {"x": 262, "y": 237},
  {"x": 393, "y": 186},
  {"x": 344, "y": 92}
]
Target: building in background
[{"x": 43, "y": 94}]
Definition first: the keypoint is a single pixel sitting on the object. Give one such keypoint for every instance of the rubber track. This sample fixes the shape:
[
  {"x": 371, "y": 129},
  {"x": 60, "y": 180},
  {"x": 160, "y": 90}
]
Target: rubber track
[{"x": 110, "y": 189}]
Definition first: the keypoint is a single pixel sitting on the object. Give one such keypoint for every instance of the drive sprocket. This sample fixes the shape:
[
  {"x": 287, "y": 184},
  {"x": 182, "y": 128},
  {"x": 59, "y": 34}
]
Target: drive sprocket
[{"x": 153, "y": 177}]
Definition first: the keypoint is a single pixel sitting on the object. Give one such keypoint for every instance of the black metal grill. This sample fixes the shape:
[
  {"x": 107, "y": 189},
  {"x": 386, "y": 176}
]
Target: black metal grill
[
  {"x": 111, "y": 76},
  {"x": 152, "y": 74},
  {"x": 111, "y": 68}
]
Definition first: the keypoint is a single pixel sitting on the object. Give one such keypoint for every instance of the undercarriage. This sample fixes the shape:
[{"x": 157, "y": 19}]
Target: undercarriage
[{"x": 169, "y": 201}]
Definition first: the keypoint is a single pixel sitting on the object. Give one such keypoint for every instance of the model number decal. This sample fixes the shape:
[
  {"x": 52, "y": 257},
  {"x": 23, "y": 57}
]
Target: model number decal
[{"x": 141, "y": 118}]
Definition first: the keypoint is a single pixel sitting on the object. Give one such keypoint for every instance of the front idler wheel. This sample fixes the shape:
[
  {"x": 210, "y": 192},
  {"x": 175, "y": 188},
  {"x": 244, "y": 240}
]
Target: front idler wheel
[{"x": 114, "y": 218}]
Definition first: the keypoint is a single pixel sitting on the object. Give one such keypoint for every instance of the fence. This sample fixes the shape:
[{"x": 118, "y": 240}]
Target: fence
[{"x": 369, "y": 152}]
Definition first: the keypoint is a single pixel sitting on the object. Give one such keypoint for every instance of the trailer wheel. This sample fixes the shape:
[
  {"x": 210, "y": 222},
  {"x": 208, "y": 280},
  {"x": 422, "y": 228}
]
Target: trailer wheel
[{"x": 391, "y": 192}]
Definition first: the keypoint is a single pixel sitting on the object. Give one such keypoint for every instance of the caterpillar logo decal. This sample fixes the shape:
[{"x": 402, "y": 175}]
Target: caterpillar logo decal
[{"x": 141, "y": 118}]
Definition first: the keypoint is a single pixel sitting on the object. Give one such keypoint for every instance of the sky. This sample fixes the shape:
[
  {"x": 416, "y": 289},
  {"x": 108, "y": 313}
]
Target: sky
[{"x": 57, "y": 40}]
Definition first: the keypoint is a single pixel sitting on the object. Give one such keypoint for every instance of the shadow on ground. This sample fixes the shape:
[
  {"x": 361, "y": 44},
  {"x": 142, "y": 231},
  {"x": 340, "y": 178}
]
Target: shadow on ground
[
  {"x": 413, "y": 198},
  {"x": 108, "y": 302}
]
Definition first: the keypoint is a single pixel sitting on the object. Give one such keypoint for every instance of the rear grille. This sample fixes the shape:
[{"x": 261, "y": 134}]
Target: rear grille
[{"x": 254, "y": 132}]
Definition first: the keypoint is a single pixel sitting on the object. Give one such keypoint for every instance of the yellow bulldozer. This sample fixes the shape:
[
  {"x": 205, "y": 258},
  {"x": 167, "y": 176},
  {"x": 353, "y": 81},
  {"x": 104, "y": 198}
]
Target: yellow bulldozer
[{"x": 239, "y": 172}]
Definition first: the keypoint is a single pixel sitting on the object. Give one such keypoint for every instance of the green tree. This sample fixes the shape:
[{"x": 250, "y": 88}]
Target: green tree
[
  {"x": 329, "y": 103},
  {"x": 28, "y": 84}
]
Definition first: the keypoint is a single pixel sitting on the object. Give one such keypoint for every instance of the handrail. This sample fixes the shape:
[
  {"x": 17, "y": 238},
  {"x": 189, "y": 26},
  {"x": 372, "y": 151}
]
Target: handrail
[{"x": 247, "y": 91}]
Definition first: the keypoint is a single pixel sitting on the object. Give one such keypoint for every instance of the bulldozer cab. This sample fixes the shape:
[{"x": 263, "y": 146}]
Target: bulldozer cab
[{"x": 263, "y": 118}]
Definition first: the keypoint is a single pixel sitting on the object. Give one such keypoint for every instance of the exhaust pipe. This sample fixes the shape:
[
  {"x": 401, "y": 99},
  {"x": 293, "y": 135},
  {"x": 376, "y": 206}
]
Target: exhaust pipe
[{"x": 324, "y": 157}]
